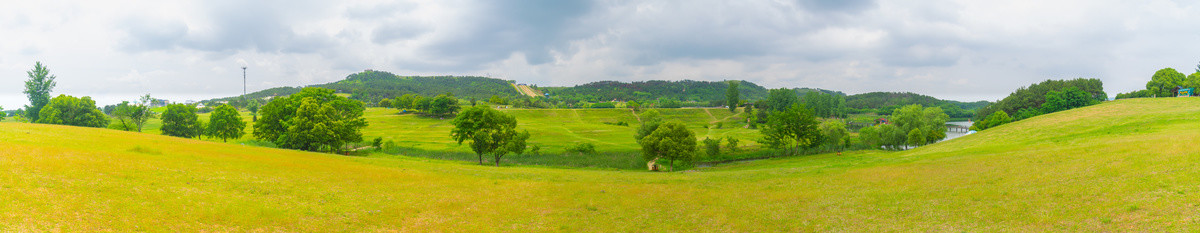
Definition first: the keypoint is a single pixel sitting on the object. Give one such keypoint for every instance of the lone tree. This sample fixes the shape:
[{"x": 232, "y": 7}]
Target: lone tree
[
  {"x": 489, "y": 131},
  {"x": 133, "y": 116},
  {"x": 38, "y": 89},
  {"x": 790, "y": 129},
  {"x": 313, "y": 119},
  {"x": 68, "y": 110},
  {"x": 731, "y": 96},
  {"x": 225, "y": 123},
  {"x": 180, "y": 120},
  {"x": 671, "y": 141}
]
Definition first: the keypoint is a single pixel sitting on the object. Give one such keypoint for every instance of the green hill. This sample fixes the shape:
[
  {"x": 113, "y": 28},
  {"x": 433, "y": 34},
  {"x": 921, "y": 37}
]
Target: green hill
[
  {"x": 1123, "y": 165},
  {"x": 372, "y": 86}
]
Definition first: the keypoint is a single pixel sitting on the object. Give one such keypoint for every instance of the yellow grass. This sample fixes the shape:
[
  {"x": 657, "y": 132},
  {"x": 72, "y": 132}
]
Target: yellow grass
[{"x": 1128, "y": 165}]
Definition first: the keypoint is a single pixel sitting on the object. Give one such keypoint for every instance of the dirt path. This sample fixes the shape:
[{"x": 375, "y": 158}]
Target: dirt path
[
  {"x": 526, "y": 90},
  {"x": 639, "y": 118}
]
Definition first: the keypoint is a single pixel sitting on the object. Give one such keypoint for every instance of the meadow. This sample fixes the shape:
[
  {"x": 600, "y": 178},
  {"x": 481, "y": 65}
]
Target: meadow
[{"x": 1125, "y": 165}]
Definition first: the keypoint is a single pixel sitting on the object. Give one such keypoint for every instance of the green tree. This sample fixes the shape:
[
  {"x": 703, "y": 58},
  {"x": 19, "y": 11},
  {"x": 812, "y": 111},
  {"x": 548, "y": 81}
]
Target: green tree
[
  {"x": 314, "y": 119},
  {"x": 781, "y": 99},
  {"x": 385, "y": 103},
  {"x": 732, "y": 96},
  {"x": 488, "y": 131},
  {"x": 731, "y": 143},
  {"x": 444, "y": 105},
  {"x": 225, "y": 123},
  {"x": 133, "y": 116},
  {"x": 650, "y": 122},
  {"x": 1068, "y": 98},
  {"x": 935, "y": 124},
  {"x": 253, "y": 108},
  {"x": 671, "y": 141},
  {"x": 180, "y": 120},
  {"x": 791, "y": 129},
  {"x": 916, "y": 137},
  {"x": 833, "y": 132},
  {"x": 38, "y": 89},
  {"x": 68, "y": 110},
  {"x": 869, "y": 136},
  {"x": 1164, "y": 81},
  {"x": 712, "y": 147},
  {"x": 633, "y": 105},
  {"x": 404, "y": 102},
  {"x": 995, "y": 119},
  {"x": 2, "y": 113}
]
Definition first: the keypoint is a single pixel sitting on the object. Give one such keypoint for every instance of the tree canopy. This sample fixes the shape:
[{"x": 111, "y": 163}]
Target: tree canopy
[
  {"x": 180, "y": 120},
  {"x": 488, "y": 131},
  {"x": 314, "y": 119},
  {"x": 68, "y": 110},
  {"x": 133, "y": 116},
  {"x": 671, "y": 141},
  {"x": 225, "y": 123},
  {"x": 1164, "y": 81},
  {"x": 38, "y": 89},
  {"x": 732, "y": 96},
  {"x": 791, "y": 129}
]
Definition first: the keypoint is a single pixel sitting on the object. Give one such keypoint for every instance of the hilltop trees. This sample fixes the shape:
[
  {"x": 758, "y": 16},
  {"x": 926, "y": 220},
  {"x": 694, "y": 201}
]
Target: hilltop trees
[
  {"x": 996, "y": 119},
  {"x": 1027, "y": 102},
  {"x": 38, "y": 88},
  {"x": 489, "y": 131},
  {"x": 1164, "y": 81},
  {"x": 671, "y": 141},
  {"x": 1068, "y": 98},
  {"x": 225, "y": 123},
  {"x": 732, "y": 96},
  {"x": 68, "y": 110},
  {"x": 313, "y": 120},
  {"x": 133, "y": 116},
  {"x": 790, "y": 129},
  {"x": 180, "y": 120}
]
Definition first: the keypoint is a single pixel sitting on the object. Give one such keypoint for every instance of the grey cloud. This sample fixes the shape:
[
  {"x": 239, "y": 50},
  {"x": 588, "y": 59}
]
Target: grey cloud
[
  {"x": 501, "y": 28},
  {"x": 236, "y": 25},
  {"x": 393, "y": 32}
]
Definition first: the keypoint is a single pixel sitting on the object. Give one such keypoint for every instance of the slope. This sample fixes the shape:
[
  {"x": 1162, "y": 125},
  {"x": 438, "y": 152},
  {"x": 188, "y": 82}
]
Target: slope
[{"x": 1124, "y": 165}]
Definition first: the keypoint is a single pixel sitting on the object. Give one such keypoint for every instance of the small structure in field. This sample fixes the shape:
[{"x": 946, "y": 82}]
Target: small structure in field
[{"x": 1185, "y": 92}]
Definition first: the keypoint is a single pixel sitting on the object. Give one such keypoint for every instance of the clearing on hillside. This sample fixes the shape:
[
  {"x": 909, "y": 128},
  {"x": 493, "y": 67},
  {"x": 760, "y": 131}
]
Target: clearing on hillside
[{"x": 1127, "y": 165}]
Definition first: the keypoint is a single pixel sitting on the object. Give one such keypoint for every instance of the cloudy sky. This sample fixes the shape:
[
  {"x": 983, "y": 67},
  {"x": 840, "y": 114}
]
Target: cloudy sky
[{"x": 963, "y": 50}]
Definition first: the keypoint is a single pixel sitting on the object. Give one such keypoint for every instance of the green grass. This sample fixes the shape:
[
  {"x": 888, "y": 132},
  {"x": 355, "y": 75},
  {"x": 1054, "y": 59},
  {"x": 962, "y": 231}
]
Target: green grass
[
  {"x": 554, "y": 130},
  {"x": 1127, "y": 165}
]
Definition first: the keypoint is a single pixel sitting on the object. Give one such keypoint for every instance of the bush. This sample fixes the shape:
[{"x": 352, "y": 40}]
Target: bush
[
  {"x": 731, "y": 144},
  {"x": 603, "y": 105},
  {"x": 582, "y": 148},
  {"x": 535, "y": 150},
  {"x": 712, "y": 146},
  {"x": 377, "y": 143}
]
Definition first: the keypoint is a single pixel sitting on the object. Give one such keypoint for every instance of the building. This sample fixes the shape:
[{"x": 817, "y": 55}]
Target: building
[{"x": 1185, "y": 92}]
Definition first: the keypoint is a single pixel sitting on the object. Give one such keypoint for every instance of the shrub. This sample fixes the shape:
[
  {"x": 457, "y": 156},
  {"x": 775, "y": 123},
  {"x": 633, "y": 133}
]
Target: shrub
[
  {"x": 712, "y": 146},
  {"x": 731, "y": 144},
  {"x": 582, "y": 148}
]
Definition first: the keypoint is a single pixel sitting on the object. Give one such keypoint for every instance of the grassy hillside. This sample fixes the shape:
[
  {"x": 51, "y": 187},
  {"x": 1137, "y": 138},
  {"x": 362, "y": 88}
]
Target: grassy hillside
[{"x": 1119, "y": 166}]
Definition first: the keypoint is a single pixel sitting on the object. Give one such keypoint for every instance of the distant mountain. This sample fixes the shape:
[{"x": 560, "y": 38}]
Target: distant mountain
[
  {"x": 876, "y": 100},
  {"x": 371, "y": 86},
  {"x": 685, "y": 90}
]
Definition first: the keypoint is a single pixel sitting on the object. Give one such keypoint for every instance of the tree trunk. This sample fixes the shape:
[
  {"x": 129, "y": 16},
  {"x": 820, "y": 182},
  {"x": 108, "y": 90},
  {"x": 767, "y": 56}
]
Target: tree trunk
[
  {"x": 480, "y": 159},
  {"x": 498, "y": 160}
]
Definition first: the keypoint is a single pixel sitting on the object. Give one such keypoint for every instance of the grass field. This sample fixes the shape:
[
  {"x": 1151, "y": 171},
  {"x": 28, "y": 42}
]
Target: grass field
[{"x": 1127, "y": 165}]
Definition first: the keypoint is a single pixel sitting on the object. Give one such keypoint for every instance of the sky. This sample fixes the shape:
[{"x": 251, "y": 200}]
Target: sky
[{"x": 960, "y": 50}]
